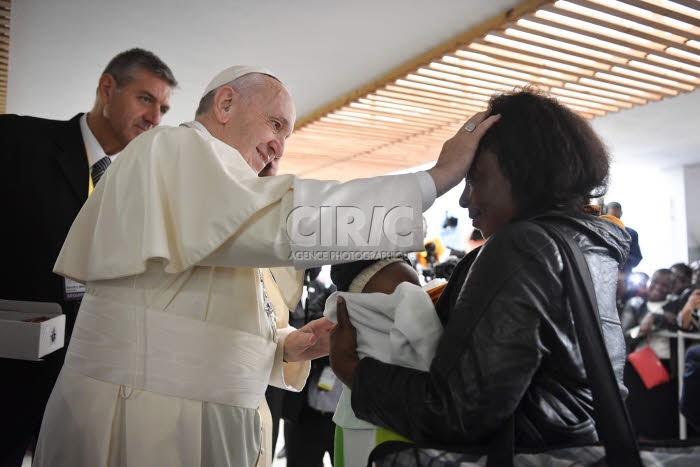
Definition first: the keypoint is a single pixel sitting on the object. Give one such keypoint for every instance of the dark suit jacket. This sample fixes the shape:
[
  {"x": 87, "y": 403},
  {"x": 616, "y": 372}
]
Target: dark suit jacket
[
  {"x": 690, "y": 397},
  {"x": 43, "y": 184},
  {"x": 635, "y": 254}
]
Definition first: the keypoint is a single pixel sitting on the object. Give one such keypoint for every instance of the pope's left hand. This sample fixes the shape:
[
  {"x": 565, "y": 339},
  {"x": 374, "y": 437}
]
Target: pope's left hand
[
  {"x": 308, "y": 342},
  {"x": 343, "y": 354}
]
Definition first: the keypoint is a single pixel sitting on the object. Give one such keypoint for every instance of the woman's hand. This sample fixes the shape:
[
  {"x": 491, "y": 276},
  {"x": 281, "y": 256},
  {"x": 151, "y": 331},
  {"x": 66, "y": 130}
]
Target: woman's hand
[
  {"x": 343, "y": 351},
  {"x": 458, "y": 152},
  {"x": 309, "y": 342}
]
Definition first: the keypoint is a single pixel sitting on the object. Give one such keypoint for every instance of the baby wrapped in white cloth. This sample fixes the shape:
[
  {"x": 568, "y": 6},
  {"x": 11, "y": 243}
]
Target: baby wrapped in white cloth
[{"x": 396, "y": 323}]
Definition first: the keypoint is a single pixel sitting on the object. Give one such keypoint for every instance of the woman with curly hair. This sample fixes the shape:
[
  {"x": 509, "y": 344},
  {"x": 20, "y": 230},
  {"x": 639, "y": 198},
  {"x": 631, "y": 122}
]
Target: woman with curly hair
[{"x": 509, "y": 350}]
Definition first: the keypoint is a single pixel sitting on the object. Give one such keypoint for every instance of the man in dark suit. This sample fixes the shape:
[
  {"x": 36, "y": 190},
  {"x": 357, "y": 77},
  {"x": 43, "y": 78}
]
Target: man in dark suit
[
  {"x": 635, "y": 255},
  {"x": 690, "y": 397},
  {"x": 47, "y": 169}
]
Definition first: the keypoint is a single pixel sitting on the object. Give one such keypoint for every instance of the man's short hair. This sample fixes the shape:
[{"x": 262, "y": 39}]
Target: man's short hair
[
  {"x": 613, "y": 205},
  {"x": 206, "y": 103},
  {"x": 124, "y": 66},
  {"x": 682, "y": 268},
  {"x": 662, "y": 272}
]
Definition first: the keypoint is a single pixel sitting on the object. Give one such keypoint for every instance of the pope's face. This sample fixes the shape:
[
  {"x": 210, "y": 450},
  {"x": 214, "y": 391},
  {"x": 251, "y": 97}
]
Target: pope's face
[
  {"x": 137, "y": 107},
  {"x": 258, "y": 130}
]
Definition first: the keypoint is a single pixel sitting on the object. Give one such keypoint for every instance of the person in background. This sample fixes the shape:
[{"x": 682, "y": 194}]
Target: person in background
[
  {"x": 427, "y": 259},
  {"x": 509, "y": 350},
  {"x": 452, "y": 235},
  {"x": 308, "y": 415},
  {"x": 682, "y": 279},
  {"x": 654, "y": 412},
  {"x": 685, "y": 300},
  {"x": 688, "y": 318},
  {"x": 636, "y": 285},
  {"x": 47, "y": 170},
  {"x": 635, "y": 255},
  {"x": 690, "y": 395},
  {"x": 644, "y": 314}
]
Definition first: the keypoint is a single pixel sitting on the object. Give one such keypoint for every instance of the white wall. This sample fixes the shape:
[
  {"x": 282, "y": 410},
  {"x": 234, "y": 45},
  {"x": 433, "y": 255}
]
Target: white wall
[
  {"x": 653, "y": 203},
  {"x": 692, "y": 196}
]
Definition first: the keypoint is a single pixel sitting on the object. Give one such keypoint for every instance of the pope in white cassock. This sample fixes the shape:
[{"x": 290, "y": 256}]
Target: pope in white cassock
[{"x": 176, "y": 338}]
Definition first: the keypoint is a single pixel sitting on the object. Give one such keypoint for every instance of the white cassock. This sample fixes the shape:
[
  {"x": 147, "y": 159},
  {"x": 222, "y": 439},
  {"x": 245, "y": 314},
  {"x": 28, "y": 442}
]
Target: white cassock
[{"x": 173, "y": 348}]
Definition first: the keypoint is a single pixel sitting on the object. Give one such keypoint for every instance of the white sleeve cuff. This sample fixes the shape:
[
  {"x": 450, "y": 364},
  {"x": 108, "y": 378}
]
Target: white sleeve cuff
[
  {"x": 290, "y": 376},
  {"x": 427, "y": 189}
]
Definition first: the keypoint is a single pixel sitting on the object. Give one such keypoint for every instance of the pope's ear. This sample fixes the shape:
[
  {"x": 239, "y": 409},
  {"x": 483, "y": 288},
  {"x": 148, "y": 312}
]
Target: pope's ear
[{"x": 223, "y": 103}]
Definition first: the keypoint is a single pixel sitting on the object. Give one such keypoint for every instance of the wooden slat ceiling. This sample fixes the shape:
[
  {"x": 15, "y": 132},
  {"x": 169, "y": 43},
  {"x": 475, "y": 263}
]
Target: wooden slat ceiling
[
  {"x": 4, "y": 51},
  {"x": 596, "y": 56}
]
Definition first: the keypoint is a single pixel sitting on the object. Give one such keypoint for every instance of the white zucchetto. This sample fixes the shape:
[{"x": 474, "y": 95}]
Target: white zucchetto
[{"x": 235, "y": 72}]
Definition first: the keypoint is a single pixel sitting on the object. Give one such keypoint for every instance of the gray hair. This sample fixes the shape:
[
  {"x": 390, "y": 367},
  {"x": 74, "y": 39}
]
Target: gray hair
[{"x": 124, "y": 66}]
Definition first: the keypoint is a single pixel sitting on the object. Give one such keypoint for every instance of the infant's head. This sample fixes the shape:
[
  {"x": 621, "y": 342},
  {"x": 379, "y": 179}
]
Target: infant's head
[{"x": 373, "y": 275}]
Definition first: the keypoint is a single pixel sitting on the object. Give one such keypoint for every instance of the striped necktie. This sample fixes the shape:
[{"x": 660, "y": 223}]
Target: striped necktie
[{"x": 99, "y": 169}]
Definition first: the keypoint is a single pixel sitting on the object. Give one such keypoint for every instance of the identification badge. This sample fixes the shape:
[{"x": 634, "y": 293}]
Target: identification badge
[
  {"x": 327, "y": 379},
  {"x": 73, "y": 290}
]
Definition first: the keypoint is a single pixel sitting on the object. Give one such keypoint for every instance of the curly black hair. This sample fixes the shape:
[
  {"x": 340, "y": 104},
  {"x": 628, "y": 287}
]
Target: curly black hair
[{"x": 551, "y": 155}]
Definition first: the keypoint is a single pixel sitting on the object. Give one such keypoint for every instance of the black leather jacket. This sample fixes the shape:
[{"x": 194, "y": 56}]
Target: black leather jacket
[{"x": 509, "y": 346}]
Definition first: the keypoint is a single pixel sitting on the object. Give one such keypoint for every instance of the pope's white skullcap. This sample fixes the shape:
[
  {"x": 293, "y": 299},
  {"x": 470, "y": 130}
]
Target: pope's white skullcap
[{"x": 232, "y": 73}]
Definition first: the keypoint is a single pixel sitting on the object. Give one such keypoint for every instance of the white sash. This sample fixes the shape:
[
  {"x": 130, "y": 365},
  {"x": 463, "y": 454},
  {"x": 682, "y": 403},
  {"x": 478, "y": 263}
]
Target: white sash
[{"x": 164, "y": 353}]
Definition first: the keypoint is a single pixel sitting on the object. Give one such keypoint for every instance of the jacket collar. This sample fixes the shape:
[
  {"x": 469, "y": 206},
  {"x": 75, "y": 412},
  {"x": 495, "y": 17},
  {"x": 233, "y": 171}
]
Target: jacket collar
[{"x": 71, "y": 156}]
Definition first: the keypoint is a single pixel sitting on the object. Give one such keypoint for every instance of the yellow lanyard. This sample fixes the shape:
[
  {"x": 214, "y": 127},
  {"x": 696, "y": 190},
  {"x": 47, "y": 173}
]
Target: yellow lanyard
[{"x": 90, "y": 184}]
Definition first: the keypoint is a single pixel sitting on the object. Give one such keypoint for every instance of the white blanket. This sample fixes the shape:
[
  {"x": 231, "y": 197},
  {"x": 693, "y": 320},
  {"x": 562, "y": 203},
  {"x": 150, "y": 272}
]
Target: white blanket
[{"x": 402, "y": 329}]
